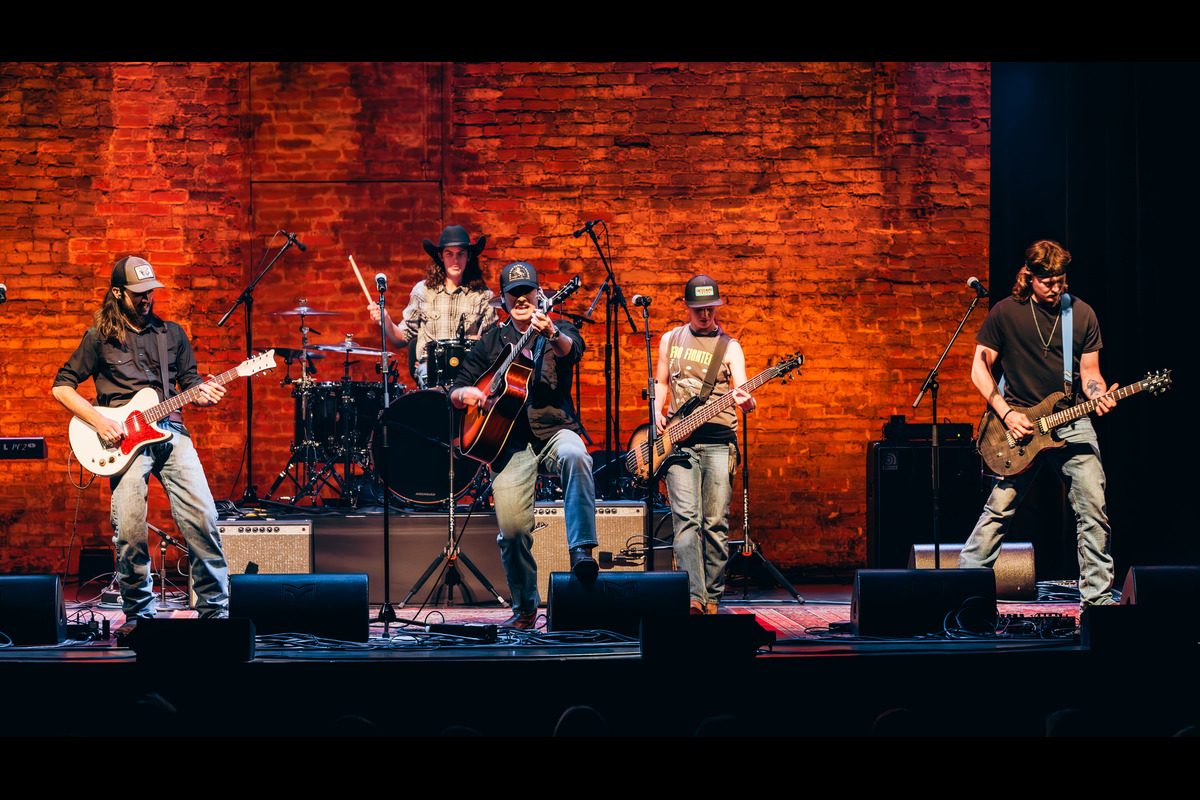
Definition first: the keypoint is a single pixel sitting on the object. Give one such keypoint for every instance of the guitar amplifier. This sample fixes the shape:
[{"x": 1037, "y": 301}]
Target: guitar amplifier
[
  {"x": 267, "y": 546},
  {"x": 619, "y": 532}
]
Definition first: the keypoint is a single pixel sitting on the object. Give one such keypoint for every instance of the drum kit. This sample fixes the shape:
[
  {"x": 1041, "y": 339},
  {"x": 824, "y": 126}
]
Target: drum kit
[{"x": 337, "y": 442}]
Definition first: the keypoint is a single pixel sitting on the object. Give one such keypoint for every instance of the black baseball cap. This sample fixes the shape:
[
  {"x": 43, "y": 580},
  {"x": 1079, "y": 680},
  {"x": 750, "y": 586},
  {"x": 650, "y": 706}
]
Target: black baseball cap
[
  {"x": 518, "y": 275},
  {"x": 702, "y": 292}
]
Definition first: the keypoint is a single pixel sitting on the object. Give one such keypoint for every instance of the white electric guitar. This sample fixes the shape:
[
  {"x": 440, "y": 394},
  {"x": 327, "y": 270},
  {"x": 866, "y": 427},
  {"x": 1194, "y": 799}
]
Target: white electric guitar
[{"x": 142, "y": 417}]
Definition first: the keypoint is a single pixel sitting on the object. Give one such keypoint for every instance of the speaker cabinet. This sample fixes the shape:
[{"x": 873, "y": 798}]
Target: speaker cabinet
[
  {"x": 910, "y": 602},
  {"x": 615, "y": 601},
  {"x": 619, "y": 531},
  {"x": 1174, "y": 589},
  {"x": 328, "y": 606},
  {"x": 1016, "y": 577},
  {"x": 32, "y": 611},
  {"x": 191, "y": 642},
  {"x": 278, "y": 547},
  {"x": 900, "y": 498}
]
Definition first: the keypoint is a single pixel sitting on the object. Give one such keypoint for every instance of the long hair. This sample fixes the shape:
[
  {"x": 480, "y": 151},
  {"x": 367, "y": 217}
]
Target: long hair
[
  {"x": 1048, "y": 258},
  {"x": 472, "y": 275},
  {"x": 109, "y": 319}
]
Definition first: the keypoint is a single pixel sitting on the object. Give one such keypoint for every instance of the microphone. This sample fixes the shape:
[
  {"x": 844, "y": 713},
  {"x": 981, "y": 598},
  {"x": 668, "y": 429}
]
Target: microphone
[
  {"x": 291, "y": 237},
  {"x": 3, "y": 293},
  {"x": 641, "y": 300},
  {"x": 587, "y": 226},
  {"x": 381, "y": 281},
  {"x": 979, "y": 288}
]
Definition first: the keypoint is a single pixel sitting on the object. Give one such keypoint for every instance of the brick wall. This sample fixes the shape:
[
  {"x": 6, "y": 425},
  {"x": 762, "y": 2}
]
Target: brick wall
[{"x": 842, "y": 207}]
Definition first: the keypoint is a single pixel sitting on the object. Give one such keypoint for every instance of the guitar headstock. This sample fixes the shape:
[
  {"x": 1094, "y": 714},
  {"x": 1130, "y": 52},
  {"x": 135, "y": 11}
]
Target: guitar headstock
[
  {"x": 788, "y": 365},
  {"x": 257, "y": 364},
  {"x": 1157, "y": 382},
  {"x": 568, "y": 289}
]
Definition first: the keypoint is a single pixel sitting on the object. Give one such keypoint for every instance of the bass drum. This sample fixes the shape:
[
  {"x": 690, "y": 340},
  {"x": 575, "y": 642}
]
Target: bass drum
[{"x": 418, "y": 466}]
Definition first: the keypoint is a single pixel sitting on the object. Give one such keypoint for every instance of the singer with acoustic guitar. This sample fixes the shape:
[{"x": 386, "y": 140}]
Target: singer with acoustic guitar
[
  {"x": 516, "y": 388},
  {"x": 128, "y": 349},
  {"x": 1022, "y": 339}
]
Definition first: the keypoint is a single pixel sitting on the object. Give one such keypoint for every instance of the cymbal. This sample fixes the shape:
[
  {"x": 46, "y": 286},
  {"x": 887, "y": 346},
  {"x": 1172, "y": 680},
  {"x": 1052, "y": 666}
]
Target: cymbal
[
  {"x": 304, "y": 311},
  {"x": 289, "y": 355},
  {"x": 349, "y": 350}
]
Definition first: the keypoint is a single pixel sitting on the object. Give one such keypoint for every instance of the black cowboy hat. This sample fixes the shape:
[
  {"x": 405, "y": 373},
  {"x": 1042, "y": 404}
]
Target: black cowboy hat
[{"x": 454, "y": 236}]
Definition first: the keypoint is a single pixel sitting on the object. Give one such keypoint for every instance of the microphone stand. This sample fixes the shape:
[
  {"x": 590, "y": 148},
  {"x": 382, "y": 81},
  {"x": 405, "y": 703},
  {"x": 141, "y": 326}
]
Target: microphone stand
[
  {"x": 250, "y": 495},
  {"x": 614, "y": 297},
  {"x": 651, "y": 443},
  {"x": 935, "y": 467},
  {"x": 387, "y": 614}
]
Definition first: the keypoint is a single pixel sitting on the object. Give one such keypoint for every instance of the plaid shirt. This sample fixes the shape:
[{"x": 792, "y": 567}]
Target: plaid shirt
[{"x": 435, "y": 314}]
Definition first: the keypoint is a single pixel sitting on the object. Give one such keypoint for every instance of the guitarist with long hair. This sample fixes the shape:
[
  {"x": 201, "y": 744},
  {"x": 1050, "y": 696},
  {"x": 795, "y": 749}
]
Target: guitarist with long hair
[
  {"x": 545, "y": 433},
  {"x": 123, "y": 352},
  {"x": 1022, "y": 339},
  {"x": 695, "y": 361}
]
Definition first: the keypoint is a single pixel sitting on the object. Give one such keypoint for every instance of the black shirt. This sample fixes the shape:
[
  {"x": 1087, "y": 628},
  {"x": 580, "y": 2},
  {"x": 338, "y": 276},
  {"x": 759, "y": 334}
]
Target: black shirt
[
  {"x": 120, "y": 371},
  {"x": 1029, "y": 373},
  {"x": 549, "y": 408}
]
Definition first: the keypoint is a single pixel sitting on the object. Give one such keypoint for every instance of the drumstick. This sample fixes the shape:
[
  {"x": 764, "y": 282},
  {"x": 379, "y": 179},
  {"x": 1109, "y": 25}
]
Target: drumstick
[{"x": 361, "y": 282}]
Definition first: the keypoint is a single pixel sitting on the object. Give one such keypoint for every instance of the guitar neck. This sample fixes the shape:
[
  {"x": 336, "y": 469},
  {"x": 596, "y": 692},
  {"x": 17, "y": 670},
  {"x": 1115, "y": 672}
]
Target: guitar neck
[
  {"x": 172, "y": 404},
  {"x": 687, "y": 426},
  {"x": 1088, "y": 406}
]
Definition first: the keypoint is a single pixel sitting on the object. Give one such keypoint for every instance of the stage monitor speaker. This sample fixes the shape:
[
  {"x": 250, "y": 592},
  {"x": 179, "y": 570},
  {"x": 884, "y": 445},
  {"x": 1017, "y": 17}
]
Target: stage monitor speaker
[
  {"x": 273, "y": 547},
  {"x": 193, "y": 641},
  {"x": 615, "y": 601},
  {"x": 1016, "y": 576},
  {"x": 911, "y": 602},
  {"x": 1174, "y": 589},
  {"x": 32, "y": 611},
  {"x": 900, "y": 498},
  {"x": 619, "y": 533},
  {"x": 327, "y": 606}
]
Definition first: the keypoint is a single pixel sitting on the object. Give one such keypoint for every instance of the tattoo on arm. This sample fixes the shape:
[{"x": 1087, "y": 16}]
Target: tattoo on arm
[{"x": 1094, "y": 389}]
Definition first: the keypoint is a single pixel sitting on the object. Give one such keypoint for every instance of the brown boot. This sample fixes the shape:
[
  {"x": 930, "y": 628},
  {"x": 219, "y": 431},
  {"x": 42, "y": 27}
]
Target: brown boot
[
  {"x": 520, "y": 620},
  {"x": 710, "y": 608}
]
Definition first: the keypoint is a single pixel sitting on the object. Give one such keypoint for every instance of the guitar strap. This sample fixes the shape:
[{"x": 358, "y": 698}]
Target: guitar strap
[
  {"x": 714, "y": 366},
  {"x": 161, "y": 338},
  {"x": 1068, "y": 342}
]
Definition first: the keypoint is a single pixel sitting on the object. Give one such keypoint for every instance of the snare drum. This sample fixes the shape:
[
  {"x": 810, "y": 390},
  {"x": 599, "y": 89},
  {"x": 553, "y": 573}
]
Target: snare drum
[{"x": 443, "y": 360}]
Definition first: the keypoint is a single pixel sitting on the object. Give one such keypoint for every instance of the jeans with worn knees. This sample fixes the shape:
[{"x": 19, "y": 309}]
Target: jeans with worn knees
[
  {"x": 1078, "y": 463},
  {"x": 178, "y": 469},
  {"x": 699, "y": 489},
  {"x": 513, "y": 488}
]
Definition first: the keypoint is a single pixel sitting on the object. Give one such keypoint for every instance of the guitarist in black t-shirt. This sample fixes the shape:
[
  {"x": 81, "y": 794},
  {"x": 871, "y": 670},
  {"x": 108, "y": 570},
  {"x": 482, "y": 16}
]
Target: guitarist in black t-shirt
[{"x": 1022, "y": 339}]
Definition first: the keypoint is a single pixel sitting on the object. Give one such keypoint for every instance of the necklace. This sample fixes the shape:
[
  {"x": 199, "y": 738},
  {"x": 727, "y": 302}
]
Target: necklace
[{"x": 1044, "y": 340}]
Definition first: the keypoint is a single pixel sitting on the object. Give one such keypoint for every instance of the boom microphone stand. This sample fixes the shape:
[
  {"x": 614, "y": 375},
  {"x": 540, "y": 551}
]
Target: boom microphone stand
[
  {"x": 614, "y": 298},
  {"x": 931, "y": 384},
  {"x": 250, "y": 495}
]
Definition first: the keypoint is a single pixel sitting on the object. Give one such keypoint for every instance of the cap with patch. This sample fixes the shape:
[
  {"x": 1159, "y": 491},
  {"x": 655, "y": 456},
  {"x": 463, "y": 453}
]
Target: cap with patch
[
  {"x": 702, "y": 292},
  {"x": 518, "y": 275},
  {"x": 135, "y": 274}
]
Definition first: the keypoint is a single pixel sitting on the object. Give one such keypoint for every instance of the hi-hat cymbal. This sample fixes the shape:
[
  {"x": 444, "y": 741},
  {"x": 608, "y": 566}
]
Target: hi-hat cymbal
[
  {"x": 289, "y": 354},
  {"x": 304, "y": 311},
  {"x": 349, "y": 349}
]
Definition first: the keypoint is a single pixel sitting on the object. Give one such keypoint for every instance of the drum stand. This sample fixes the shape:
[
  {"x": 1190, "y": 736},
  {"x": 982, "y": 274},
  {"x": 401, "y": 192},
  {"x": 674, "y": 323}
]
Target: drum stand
[{"x": 451, "y": 554}]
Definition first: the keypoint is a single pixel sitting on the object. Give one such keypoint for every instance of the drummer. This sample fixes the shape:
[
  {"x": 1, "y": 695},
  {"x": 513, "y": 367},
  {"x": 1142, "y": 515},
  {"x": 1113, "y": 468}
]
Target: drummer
[{"x": 451, "y": 303}]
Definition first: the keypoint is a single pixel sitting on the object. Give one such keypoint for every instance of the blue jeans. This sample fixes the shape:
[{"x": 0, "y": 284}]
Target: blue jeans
[
  {"x": 1079, "y": 465},
  {"x": 699, "y": 489},
  {"x": 178, "y": 469},
  {"x": 513, "y": 489}
]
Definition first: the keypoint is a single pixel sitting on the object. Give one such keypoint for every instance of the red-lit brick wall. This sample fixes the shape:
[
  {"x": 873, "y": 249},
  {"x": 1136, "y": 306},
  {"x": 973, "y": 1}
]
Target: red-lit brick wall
[{"x": 842, "y": 207}]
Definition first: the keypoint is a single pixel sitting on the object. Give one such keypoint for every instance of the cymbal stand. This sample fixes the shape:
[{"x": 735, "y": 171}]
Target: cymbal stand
[{"x": 306, "y": 453}]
